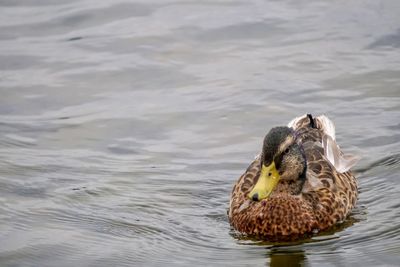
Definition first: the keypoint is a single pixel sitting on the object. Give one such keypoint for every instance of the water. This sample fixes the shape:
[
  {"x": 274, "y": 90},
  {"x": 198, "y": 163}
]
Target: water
[{"x": 125, "y": 124}]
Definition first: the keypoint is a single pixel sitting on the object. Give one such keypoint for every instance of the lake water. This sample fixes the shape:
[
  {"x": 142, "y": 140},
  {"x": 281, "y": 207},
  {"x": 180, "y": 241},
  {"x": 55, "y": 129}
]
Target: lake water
[{"x": 124, "y": 125}]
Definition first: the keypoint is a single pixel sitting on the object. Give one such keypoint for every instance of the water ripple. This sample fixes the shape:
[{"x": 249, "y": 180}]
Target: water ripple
[{"x": 124, "y": 125}]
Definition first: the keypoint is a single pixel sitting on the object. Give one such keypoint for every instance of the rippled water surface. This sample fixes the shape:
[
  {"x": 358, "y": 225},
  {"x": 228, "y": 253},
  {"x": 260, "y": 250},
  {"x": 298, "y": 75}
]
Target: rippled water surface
[{"x": 124, "y": 124}]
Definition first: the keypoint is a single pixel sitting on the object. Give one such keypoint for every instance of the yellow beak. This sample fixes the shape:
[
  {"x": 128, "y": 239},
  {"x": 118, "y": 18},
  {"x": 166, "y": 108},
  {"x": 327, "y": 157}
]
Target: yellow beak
[{"x": 269, "y": 178}]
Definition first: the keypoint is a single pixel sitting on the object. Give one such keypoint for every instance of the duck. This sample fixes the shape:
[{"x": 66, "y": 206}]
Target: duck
[{"x": 299, "y": 185}]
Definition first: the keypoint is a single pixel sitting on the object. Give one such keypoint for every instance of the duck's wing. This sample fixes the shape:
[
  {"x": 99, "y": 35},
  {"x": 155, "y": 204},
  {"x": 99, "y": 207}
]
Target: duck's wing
[
  {"x": 319, "y": 171},
  {"x": 332, "y": 152},
  {"x": 322, "y": 130}
]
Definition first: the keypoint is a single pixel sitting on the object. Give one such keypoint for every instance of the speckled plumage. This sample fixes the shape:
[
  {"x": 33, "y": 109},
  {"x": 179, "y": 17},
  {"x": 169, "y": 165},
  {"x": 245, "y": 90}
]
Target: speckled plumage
[{"x": 296, "y": 208}]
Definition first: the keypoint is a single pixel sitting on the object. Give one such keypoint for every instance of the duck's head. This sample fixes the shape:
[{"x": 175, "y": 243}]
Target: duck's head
[{"x": 282, "y": 160}]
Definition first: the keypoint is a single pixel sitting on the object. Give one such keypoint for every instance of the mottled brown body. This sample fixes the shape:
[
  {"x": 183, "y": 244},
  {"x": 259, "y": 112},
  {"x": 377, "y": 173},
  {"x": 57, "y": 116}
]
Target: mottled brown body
[{"x": 295, "y": 209}]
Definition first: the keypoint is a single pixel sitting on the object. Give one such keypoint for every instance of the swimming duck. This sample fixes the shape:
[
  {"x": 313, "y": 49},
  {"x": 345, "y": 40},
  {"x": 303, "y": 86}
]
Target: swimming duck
[{"x": 298, "y": 185}]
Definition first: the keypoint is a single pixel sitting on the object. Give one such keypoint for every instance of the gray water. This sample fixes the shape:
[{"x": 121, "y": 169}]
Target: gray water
[{"x": 124, "y": 125}]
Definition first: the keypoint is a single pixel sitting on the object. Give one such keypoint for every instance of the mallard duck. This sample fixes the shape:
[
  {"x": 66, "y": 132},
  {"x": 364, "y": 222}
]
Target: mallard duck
[{"x": 298, "y": 185}]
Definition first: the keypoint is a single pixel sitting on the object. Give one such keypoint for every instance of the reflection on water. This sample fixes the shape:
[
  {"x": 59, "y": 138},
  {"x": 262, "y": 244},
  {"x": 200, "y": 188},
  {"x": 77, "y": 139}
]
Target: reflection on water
[
  {"x": 124, "y": 125},
  {"x": 286, "y": 258}
]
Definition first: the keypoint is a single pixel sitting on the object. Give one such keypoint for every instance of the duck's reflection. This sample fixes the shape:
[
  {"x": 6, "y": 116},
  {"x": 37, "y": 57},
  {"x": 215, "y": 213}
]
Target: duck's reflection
[{"x": 283, "y": 258}]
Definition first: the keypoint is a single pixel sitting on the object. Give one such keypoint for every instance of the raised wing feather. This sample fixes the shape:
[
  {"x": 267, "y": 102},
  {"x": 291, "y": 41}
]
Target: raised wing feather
[{"x": 332, "y": 152}]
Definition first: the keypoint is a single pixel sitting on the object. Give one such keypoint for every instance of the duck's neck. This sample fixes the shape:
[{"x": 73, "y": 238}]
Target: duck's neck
[{"x": 289, "y": 187}]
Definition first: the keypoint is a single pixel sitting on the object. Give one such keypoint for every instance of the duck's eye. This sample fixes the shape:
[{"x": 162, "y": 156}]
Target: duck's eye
[{"x": 286, "y": 151}]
